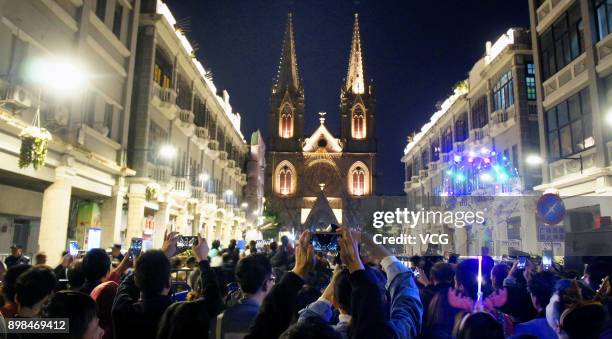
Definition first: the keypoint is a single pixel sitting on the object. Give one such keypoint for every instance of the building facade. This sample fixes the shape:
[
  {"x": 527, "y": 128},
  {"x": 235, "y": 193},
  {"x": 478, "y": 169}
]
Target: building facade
[
  {"x": 185, "y": 141},
  {"x": 81, "y": 184},
  {"x": 319, "y": 169},
  {"x": 572, "y": 56},
  {"x": 470, "y": 155}
]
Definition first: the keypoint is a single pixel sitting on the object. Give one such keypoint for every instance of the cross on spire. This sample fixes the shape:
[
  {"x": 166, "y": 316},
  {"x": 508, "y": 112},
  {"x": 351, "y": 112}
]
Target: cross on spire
[
  {"x": 355, "y": 78},
  {"x": 287, "y": 76}
]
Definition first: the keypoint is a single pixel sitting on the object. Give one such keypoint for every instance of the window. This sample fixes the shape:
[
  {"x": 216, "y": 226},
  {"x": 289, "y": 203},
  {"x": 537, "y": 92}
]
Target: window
[
  {"x": 408, "y": 172},
  {"x": 461, "y": 128},
  {"x": 480, "y": 114},
  {"x": 425, "y": 159},
  {"x": 530, "y": 81},
  {"x": 101, "y": 9},
  {"x": 503, "y": 97},
  {"x": 562, "y": 42},
  {"x": 358, "y": 123},
  {"x": 358, "y": 181},
  {"x": 286, "y": 122},
  {"x": 569, "y": 126},
  {"x": 603, "y": 12},
  {"x": 117, "y": 19},
  {"x": 285, "y": 180},
  {"x": 515, "y": 156},
  {"x": 162, "y": 70},
  {"x": 447, "y": 140},
  {"x": 108, "y": 118},
  {"x": 435, "y": 150}
]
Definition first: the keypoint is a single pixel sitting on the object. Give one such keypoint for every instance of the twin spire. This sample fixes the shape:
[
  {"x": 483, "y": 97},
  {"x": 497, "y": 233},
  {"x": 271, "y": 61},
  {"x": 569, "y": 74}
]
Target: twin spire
[
  {"x": 355, "y": 77},
  {"x": 288, "y": 78}
]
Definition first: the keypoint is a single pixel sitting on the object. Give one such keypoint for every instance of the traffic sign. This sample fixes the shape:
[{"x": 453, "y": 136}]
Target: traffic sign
[{"x": 551, "y": 209}]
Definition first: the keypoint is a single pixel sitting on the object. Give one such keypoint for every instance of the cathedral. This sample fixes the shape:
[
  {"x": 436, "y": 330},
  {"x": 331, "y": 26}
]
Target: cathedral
[{"x": 316, "y": 179}]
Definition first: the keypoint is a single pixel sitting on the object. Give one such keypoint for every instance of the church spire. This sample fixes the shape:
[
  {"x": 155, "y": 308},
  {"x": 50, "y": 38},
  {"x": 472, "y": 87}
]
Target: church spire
[
  {"x": 355, "y": 78},
  {"x": 287, "y": 76}
]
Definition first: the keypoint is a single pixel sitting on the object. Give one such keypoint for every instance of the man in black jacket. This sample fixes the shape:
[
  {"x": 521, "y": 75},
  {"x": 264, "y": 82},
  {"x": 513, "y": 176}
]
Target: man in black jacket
[
  {"x": 187, "y": 319},
  {"x": 142, "y": 296}
]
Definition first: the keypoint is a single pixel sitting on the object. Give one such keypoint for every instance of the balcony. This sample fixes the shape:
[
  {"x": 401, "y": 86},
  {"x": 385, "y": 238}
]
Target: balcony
[
  {"x": 568, "y": 79},
  {"x": 222, "y": 159},
  {"x": 159, "y": 173},
  {"x": 422, "y": 173},
  {"x": 566, "y": 167},
  {"x": 231, "y": 164},
  {"x": 459, "y": 146},
  {"x": 182, "y": 187},
  {"x": 212, "y": 149},
  {"x": 502, "y": 120},
  {"x": 549, "y": 11},
  {"x": 165, "y": 100},
  {"x": 197, "y": 193},
  {"x": 604, "y": 55},
  {"x": 237, "y": 171},
  {"x": 479, "y": 136},
  {"x": 243, "y": 179},
  {"x": 186, "y": 117},
  {"x": 407, "y": 186},
  {"x": 210, "y": 199}
]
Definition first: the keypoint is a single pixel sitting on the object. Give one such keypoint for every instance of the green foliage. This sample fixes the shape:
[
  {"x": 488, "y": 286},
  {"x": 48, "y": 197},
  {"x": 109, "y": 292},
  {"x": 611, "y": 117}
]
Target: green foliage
[{"x": 34, "y": 145}]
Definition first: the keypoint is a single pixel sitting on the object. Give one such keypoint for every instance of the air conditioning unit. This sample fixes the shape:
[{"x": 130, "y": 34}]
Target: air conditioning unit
[{"x": 18, "y": 97}]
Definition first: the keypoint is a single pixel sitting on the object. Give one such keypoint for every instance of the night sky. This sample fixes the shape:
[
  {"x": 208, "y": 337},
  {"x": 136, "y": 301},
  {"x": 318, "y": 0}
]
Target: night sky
[{"x": 414, "y": 50}]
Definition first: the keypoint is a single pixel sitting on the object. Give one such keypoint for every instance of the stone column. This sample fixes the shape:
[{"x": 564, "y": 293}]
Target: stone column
[
  {"x": 112, "y": 211},
  {"x": 181, "y": 222},
  {"x": 136, "y": 207},
  {"x": 162, "y": 216},
  {"x": 55, "y": 213}
]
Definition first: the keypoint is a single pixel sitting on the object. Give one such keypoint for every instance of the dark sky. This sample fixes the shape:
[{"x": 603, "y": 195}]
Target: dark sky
[{"x": 414, "y": 50}]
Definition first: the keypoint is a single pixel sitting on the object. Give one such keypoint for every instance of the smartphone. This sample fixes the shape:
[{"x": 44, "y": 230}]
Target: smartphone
[
  {"x": 546, "y": 260},
  {"x": 185, "y": 242},
  {"x": 135, "y": 247},
  {"x": 416, "y": 273},
  {"x": 73, "y": 248},
  {"x": 522, "y": 262},
  {"x": 325, "y": 241}
]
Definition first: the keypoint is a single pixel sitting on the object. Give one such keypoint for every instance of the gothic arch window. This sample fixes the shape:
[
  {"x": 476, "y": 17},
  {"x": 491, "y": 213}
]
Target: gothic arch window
[
  {"x": 285, "y": 179},
  {"x": 359, "y": 179},
  {"x": 285, "y": 123},
  {"x": 358, "y": 123}
]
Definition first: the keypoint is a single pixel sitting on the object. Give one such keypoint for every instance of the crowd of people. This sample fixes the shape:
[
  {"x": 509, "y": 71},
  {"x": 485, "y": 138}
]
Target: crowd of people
[{"x": 286, "y": 290}]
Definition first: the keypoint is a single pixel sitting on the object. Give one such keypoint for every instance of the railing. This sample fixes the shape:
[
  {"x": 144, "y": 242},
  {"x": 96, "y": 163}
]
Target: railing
[
  {"x": 231, "y": 163},
  {"x": 565, "y": 75},
  {"x": 604, "y": 53},
  {"x": 197, "y": 192},
  {"x": 223, "y": 155},
  {"x": 423, "y": 173},
  {"x": 159, "y": 173},
  {"x": 213, "y": 145},
  {"x": 446, "y": 157},
  {"x": 182, "y": 185},
  {"x": 459, "y": 146},
  {"x": 210, "y": 198},
  {"x": 544, "y": 11},
  {"x": 167, "y": 95},
  {"x": 186, "y": 116},
  {"x": 201, "y": 132}
]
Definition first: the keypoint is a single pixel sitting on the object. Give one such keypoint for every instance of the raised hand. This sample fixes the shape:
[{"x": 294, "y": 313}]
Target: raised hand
[
  {"x": 169, "y": 245},
  {"x": 304, "y": 255},
  {"x": 349, "y": 249},
  {"x": 200, "y": 250},
  {"x": 458, "y": 301}
]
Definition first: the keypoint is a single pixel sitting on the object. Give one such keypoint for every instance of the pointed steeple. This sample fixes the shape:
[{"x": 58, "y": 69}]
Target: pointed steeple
[
  {"x": 355, "y": 81},
  {"x": 287, "y": 76}
]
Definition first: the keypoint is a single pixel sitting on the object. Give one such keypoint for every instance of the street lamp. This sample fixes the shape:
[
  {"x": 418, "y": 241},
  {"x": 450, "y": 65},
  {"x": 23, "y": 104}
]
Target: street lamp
[
  {"x": 608, "y": 117},
  {"x": 534, "y": 160},
  {"x": 58, "y": 73},
  {"x": 167, "y": 151}
]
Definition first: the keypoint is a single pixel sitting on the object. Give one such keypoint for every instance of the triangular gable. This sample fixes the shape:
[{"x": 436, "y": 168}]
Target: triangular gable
[
  {"x": 321, "y": 214},
  {"x": 332, "y": 144}
]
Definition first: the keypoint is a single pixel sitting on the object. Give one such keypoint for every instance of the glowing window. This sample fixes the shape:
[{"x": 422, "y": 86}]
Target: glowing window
[
  {"x": 286, "y": 122},
  {"x": 285, "y": 180},
  {"x": 358, "y": 123}
]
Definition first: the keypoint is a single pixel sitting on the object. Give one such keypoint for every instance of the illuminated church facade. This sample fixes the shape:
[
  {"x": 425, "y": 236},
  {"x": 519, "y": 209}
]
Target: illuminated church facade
[{"x": 317, "y": 179}]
